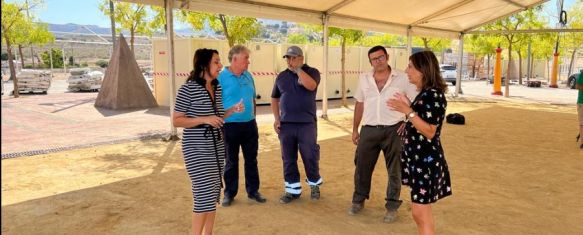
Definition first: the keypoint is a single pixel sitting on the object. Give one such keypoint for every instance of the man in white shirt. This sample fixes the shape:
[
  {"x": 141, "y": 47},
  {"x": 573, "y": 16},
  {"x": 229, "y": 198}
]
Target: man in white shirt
[{"x": 379, "y": 130}]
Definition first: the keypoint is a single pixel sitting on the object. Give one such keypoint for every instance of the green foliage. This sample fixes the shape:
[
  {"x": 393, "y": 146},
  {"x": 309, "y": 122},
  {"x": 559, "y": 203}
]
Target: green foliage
[
  {"x": 102, "y": 63},
  {"x": 575, "y": 21},
  {"x": 71, "y": 60},
  {"x": 347, "y": 36},
  {"x": 236, "y": 29},
  {"x": 5, "y": 56},
  {"x": 481, "y": 45},
  {"x": 297, "y": 38},
  {"x": 57, "y": 58},
  {"x": 434, "y": 44},
  {"x": 130, "y": 16},
  {"x": 383, "y": 39}
]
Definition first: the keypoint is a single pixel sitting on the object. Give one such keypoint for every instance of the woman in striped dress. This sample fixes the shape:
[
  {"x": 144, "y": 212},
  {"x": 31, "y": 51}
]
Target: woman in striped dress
[{"x": 199, "y": 110}]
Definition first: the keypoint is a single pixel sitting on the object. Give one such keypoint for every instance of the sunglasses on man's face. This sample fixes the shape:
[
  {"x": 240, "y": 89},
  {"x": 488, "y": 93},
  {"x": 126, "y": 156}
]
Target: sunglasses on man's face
[{"x": 378, "y": 58}]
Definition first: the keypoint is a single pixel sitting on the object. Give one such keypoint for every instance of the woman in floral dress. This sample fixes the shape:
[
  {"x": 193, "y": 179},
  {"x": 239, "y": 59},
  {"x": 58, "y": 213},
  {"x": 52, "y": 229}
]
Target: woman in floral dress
[{"x": 423, "y": 164}]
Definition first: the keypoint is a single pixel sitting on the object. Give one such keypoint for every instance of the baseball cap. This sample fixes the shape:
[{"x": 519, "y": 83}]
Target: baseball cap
[{"x": 293, "y": 51}]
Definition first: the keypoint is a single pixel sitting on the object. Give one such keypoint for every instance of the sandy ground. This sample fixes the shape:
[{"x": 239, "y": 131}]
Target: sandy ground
[{"x": 515, "y": 169}]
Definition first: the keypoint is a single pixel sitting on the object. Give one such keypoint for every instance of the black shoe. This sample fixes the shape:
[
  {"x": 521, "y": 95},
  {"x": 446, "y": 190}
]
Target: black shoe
[
  {"x": 227, "y": 201},
  {"x": 288, "y": 197},
  {"x": 257, "y": 197},
  {"x": 315, "y": 194}
]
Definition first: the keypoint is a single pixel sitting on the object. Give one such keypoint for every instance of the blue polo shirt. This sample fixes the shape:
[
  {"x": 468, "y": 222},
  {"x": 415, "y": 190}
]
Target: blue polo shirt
[
  {"x": 296, "y": 103},
  {"x": 236, "y": 88}
]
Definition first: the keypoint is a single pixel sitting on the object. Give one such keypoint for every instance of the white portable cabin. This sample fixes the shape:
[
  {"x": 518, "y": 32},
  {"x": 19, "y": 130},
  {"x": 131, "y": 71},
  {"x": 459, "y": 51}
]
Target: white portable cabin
[{"x": 266, "y": 63}]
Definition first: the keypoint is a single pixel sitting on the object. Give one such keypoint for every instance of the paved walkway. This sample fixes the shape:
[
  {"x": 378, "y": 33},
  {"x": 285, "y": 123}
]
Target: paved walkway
[{"x": 37, "y": 124}]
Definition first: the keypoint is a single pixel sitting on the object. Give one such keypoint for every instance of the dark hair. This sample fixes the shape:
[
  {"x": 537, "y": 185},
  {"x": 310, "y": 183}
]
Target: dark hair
[
  {"x": 426, "y": 63},
  {"x": 377, "y": 48},
  {"x": 201, "y": 61}
]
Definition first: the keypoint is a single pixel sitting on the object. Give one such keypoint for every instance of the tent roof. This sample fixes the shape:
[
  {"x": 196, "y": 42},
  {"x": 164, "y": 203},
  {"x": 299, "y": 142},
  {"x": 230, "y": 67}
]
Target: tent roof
[{"x": 443, "y": 18}]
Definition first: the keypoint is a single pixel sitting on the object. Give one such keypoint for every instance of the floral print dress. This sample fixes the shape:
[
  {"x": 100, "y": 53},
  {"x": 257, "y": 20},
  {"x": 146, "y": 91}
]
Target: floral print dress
[{"x": 423, "y": 163}]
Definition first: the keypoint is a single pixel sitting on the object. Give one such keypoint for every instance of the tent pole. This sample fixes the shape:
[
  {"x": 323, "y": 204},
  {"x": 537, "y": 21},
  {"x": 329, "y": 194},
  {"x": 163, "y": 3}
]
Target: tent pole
[
  {"x": 458, "y": 83},
  {"x": 409, "y": 42},
  {"x": 324, "y": 79},
  {"x": 169, "y": 5}
]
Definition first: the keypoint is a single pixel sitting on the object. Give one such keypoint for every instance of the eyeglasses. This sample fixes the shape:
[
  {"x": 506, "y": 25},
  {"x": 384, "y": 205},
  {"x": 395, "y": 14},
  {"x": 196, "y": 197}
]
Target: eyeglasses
[{"x": 378, "y": 59}]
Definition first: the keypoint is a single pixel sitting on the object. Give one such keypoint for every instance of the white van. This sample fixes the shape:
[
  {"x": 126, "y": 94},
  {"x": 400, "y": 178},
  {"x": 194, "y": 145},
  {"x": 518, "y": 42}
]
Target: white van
[{"x": 448, "y": 72}]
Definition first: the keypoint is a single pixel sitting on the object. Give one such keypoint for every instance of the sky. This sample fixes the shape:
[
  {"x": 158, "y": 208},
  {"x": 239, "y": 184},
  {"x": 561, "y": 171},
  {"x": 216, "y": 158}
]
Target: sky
[{"x": 87, "y": 12}]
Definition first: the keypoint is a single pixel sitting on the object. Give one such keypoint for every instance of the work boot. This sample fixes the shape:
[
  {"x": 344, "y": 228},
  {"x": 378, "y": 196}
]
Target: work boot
[
  {"x": 288, "y": 197},
  {"x": 315, "y": 194},
  {"x": 390, "y": 216},
  {"x": 355, "y": 208}
]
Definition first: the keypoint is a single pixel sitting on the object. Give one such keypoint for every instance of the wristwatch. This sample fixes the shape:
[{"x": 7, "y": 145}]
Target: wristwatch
[{"x": 411, "y": 115}]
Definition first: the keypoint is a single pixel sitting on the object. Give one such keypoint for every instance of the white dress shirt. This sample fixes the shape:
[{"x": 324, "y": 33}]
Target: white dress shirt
[{"x": 376, "y": 111}]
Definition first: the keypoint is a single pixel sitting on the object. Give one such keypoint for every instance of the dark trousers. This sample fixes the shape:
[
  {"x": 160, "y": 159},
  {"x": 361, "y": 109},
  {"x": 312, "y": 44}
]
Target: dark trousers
[
  {"x": 246, "y": 136},
  {"x": 372, "y": 141},
  {"x": 302, "y": 136}
]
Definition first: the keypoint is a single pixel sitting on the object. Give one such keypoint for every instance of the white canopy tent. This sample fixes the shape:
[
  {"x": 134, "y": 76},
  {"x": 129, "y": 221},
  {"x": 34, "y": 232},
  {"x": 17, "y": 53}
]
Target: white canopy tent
[{"x": 443, "y": 18}]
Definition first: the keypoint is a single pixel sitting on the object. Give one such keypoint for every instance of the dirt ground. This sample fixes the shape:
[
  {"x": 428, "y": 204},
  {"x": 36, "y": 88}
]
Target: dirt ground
[{"x": 515, "y": 169}]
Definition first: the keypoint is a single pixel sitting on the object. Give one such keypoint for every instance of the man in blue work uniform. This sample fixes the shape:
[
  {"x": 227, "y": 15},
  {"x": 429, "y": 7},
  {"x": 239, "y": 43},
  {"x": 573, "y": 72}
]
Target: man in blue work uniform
[{"x": 293, "y": 102}]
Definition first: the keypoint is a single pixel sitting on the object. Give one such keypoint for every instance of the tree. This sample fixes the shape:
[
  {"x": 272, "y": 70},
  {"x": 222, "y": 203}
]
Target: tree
[
  {"x": 13, "y": 19},
  {"x": 36, "y": 34},
  {"x": 433, "y": 44},
  {"x": 57, "y": 58},
  {"x": 347, "y": 36},
  {"x": 237, "y": 30},
  {"x": 130, "y": 16},
  {"x": 522, "y": 20},
  {"x": 574, "y": 41},
  {"x": 542, "y": 48},
  {"x": 481, "y": 46},
  {"x": 384, "y": 39},
  {"x": 297, "y": 38}
]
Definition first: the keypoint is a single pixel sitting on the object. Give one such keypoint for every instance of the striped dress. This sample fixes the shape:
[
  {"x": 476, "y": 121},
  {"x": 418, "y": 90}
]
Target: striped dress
[{"x": 202, "y": 146}]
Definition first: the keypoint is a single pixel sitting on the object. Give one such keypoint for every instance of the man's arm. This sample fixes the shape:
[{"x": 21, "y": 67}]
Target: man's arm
[
  {"x": 307, "y": 81},
  {"x": 276, "y": 115},
  {"x": 358, "y": 110}
]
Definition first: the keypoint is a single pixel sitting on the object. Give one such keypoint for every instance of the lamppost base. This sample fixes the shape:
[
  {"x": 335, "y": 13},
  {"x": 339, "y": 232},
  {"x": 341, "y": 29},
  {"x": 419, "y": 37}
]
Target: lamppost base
[
  {"x": 497, "y": 93},
  {"x": 553, "y": 86}
]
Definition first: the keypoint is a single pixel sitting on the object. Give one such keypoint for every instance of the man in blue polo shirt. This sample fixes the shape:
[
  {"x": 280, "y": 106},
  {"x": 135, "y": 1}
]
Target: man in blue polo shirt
[
  {"x": 240, "y": 128},
  {"x": 293, "y": 102}
]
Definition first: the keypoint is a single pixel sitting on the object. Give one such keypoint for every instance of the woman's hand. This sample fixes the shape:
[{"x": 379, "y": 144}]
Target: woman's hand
[
  {"x": 213, "y": 120},
  {"x": 400, "y": 103}
]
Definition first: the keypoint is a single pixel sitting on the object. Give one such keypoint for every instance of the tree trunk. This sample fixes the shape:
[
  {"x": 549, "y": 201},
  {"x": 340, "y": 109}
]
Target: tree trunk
[
  {"x": 488, "y": 69},
  {"x": 443, "y": 56},
  {"x": 474, "y": 67},
  {"x": 343, "y": 64},
  {"x": 548, "y": 70},
  {"x": 507, "y": 80},
  {"x": 519, "y": 67},
  {"x": 21, "y": 56},
  {"x": 572, "y": 61},
  {"x": 226, "y": 30},
  {"x": 11, "y": 65},
  {"x": 480, "y": 67},
  {"x": 425, "y": 43},
  {"x": 132, "y": 33},
  {"x": 32, "y": 55},
  {"x": 531, "y": 65}
]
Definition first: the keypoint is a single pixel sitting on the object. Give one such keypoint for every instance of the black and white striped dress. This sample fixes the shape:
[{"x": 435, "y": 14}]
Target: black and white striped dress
[{"x": 202, "y": 146}]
